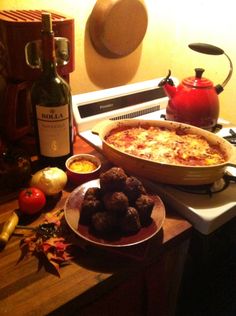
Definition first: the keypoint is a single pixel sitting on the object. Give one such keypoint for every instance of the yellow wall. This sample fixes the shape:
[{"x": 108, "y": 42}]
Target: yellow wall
[{"x": 172, "y": 26}]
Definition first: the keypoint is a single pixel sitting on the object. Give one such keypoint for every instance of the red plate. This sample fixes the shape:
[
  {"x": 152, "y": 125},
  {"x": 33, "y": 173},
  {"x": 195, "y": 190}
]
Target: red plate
[{"x": 72, "y": 214}]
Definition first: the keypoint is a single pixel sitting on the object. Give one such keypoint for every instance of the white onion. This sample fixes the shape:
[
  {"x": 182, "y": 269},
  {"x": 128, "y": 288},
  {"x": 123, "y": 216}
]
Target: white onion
[{"x": 50, "y": 180}]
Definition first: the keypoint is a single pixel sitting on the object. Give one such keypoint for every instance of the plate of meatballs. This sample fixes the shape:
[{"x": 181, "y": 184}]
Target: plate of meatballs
[{"x": 114, "y": 210}]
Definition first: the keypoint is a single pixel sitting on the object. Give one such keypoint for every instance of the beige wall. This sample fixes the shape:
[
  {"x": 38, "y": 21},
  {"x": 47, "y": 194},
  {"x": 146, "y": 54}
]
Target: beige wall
[{"x": 172, "y": 26}]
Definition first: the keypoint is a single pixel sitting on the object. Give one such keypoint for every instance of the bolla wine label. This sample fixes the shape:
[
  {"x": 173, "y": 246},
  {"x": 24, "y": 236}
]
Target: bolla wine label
[{"x": 54, "y": 130}]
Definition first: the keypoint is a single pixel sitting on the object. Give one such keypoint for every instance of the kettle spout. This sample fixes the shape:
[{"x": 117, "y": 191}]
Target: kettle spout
[{"x": 168, "y": 85}]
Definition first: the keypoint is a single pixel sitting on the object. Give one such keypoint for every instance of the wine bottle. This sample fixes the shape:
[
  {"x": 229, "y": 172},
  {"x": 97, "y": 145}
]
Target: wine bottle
[{"x": 51, "y": 105}]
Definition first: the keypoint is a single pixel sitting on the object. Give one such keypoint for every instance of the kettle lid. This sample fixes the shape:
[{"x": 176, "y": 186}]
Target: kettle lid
[{"x": 198, "y": 81}]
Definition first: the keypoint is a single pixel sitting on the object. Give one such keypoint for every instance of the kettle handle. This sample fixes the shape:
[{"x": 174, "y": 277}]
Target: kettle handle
[
  {"x": 206, "y": 49},
  {"x": 213, "y": 50}
]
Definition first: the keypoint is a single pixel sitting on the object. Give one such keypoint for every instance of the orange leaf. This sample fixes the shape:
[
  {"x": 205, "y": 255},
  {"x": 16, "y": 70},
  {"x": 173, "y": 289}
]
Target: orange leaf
[{"x": 54, "y": 248}]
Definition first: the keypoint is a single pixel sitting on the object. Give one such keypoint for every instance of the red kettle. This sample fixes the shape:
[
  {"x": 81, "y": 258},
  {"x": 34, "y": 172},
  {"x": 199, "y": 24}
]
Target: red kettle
[{"x": 195, "y": 100}]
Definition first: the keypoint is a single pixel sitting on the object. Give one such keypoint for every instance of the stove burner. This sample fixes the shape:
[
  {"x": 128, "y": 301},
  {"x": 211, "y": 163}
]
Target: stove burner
[
  {"x": 231, "y": 138},
  {"x": 209, "y": 189}
]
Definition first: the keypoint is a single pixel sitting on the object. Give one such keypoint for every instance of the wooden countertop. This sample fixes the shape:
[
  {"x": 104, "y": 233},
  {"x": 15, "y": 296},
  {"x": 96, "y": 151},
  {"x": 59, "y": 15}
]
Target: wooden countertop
[{"x": 28, "y": 289}]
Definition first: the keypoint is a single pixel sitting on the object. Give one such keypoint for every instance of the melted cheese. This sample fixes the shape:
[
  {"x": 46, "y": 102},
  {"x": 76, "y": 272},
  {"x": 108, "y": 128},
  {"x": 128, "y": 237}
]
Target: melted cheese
[{"x": 166, "y": 146}]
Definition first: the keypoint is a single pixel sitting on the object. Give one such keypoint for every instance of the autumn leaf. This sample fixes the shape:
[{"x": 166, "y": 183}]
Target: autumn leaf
[
  {"x": 54, "y": 217},
  {"x": 46, "y": 240}
]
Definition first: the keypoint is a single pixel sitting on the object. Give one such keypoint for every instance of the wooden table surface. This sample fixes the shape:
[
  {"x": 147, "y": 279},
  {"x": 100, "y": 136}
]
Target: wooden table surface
[{"x": 28, "y": 289}]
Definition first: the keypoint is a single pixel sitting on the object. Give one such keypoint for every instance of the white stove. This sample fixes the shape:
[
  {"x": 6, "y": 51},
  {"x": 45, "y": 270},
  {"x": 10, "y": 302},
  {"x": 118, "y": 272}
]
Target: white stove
[{"x": 146, "y": 101}]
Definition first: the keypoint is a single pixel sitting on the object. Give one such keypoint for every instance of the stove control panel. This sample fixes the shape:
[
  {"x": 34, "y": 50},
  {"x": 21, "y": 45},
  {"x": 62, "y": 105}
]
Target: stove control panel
[{"x": 128, "y": 101}]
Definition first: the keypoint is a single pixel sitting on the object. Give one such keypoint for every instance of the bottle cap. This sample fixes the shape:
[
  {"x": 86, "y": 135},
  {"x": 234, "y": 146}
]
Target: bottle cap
[{"x": 46, "y": 22}]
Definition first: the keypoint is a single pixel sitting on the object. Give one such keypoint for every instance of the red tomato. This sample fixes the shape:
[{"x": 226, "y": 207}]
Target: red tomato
[{"x": 31, "y": 200}]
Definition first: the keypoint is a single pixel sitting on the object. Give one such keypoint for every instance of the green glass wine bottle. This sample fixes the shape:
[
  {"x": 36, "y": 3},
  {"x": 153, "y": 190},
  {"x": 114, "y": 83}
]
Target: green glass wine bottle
[{"x": 51, "y": 105}]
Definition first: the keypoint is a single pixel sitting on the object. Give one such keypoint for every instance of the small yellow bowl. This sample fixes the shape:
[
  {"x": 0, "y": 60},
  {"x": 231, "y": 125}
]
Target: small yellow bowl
[{"x": 82, "y": 168}]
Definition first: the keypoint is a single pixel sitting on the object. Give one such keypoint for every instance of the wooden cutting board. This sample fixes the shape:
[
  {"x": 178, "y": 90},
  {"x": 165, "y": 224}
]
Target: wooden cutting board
[{"x": 117, "y": 27}]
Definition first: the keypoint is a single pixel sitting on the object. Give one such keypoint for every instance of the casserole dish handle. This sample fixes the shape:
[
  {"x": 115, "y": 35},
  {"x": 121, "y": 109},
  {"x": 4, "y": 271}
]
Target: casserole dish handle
[
  {"x": 97, "y": 128},
  {"x": 231, "y": 164}
]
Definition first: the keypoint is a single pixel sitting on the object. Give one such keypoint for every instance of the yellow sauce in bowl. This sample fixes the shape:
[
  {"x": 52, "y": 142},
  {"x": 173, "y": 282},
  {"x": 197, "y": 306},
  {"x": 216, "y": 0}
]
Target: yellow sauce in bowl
[{"x": 82, "y": 166}]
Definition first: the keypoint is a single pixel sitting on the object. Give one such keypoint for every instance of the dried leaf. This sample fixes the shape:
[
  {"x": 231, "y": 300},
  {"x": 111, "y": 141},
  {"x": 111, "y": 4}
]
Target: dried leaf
[
  {"x": 54, "y": 217},
  {"x": 55, "y": 248}
]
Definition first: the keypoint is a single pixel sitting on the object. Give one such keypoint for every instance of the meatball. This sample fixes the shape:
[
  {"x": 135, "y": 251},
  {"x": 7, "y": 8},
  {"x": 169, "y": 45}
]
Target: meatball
[
  {"x": 93, "y": 193},
  {"x": 130, "y": 222},
  {"x": 113, "y": 179},
  {"x": 102, "y": 222},
  {"x": 120, "y": 206},
  {"x": 133, "y": 189},
  {"x": 88, "y": 208},
  {"x": 116, "y": 202},
  {"x": 144, "y": 205}
]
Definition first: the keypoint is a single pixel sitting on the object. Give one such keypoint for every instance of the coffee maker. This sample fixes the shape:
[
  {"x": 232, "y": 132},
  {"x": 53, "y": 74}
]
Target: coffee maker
[{"x": 20, "y": 33}]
